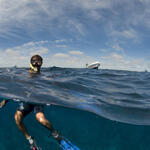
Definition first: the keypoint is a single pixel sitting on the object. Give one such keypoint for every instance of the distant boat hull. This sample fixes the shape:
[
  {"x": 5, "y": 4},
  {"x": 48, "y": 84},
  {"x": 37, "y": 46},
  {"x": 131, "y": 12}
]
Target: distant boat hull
[{"x": 94, "y": 65}]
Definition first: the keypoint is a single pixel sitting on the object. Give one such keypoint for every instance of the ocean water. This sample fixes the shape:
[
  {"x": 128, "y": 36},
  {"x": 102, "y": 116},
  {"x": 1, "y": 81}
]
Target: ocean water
[{"x": 95, "y": 109}]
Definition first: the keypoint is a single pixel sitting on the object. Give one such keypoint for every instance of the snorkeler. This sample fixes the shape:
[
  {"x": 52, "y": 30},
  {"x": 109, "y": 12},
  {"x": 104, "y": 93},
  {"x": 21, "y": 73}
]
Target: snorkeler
[{"x": 25, "y": 108}]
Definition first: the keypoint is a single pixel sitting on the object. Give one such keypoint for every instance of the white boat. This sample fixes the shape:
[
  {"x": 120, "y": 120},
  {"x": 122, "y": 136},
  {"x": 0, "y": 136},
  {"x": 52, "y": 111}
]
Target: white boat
[{"x": 94, "y": 65}]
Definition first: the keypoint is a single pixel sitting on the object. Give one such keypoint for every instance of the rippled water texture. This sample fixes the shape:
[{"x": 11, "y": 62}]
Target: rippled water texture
[{"x": 118, "y": 95}]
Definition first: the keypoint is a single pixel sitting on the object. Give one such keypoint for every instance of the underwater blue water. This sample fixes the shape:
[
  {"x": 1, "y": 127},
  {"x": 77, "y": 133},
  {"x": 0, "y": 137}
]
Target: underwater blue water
[{"x": 118, "y": 95}]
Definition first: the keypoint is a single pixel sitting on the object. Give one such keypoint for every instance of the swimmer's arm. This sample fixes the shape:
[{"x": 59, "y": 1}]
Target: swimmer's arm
[{"x": 3, "y": 103}]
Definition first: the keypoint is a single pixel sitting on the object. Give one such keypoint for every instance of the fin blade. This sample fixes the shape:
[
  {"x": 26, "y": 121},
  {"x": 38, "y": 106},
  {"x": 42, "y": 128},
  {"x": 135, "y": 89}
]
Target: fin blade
[{"x": 67, "y": 145}]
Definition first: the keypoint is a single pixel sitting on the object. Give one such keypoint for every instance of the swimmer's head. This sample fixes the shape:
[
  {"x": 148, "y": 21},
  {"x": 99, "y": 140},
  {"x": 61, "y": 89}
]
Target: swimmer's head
[{"x": 36, "y": 63}]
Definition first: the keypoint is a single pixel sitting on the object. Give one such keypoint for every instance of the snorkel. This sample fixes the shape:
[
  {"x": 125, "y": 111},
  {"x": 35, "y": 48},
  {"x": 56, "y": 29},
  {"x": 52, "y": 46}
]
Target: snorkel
[{"x": 34, "y": 68}]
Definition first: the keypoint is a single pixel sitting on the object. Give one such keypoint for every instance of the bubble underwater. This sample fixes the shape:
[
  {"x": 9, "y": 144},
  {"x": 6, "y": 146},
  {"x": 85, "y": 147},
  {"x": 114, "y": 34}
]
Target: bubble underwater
[{"x": 117, "y": 95}]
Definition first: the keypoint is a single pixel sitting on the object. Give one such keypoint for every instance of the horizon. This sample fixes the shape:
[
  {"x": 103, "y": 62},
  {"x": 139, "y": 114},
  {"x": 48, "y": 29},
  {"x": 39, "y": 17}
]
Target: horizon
[{"x": 11, "y": 67}]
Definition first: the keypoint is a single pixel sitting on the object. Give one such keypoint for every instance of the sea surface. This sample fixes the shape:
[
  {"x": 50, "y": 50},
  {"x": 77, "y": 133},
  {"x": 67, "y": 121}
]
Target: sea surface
[{"x": 95, "y": 109}]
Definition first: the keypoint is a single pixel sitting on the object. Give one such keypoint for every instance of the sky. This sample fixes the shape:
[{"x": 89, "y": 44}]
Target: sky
[{"x": 71, "y": 33}]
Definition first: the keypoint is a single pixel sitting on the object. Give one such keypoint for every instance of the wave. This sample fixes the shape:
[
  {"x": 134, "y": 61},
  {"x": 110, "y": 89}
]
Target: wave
[{"x": 117, "y": 95}]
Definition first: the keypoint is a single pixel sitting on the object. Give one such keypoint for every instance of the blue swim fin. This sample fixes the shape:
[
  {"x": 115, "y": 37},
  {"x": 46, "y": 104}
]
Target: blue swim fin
[{"x": 67, "y": 145}]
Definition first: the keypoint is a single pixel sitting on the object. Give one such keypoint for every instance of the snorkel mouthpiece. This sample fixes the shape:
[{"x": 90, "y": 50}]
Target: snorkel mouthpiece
[{"x": 34, "y": 68}]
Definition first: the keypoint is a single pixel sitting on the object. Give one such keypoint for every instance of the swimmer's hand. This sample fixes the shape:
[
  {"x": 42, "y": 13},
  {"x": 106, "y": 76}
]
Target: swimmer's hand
[{"x": 3, "y": 103}]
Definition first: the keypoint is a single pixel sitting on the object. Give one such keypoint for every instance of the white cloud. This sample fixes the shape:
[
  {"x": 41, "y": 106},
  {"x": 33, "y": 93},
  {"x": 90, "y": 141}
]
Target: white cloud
[
  {"x": 40, "y": 51},
  {"x": 117, "y": 56},
  {"x": 75, "y": 52},
  {"x": 31, "y": 48},
  {"x": 61, "y": 55},
  {"x": 72, "y": 61},
  {"x": 60, "y": 41},
  {"x": 113, "y": 58},
  {"x": 93, "y": 4},
  {"x": 120, "y": 62},
  {"x": 20, "y": 55},
  {"x": 103, "y": 50},
  {"x": 129, "y": 34},
  {"x": 35, "y": 16},
  {"x": 61, "y": 46},
  {"x": 117, "y": 47},
  {"x": 77, "y": 26},
  {"x": 32, "y": 16},
  {"x": 39, "y": 43}
]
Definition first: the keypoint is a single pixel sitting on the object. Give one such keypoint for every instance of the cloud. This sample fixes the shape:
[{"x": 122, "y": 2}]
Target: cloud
[
  {"x": 113, "y": 58},
  {"x": 93, "y": 4},
  {"x": 20, "y": 55},
  {"x": 72, "y": 61},
  {"x": 75, "y": 52},
  {"x": 60, "y": 41},
  {"x": 120, "y": 62},
  {"x": 31, "y": 48},
  {"x": 48, "y": 14},
  {"x": 33, "y": 16},
  {"x": 117, "y": 47},
  {"x": 61, "y": 55},
  {"x": 61, "y": 46},
  {"x": 117, "y": 57},
  {"x": 103, "y": 50},
  {"x": 77, "y": 26},
  {"x": 39, "y": 43},
  {"x": 129, "y": 34},
  {"x": 52, "y": 16}
]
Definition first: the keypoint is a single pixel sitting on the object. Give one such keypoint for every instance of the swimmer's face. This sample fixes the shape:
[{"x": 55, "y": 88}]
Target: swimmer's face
[{"x": 36, "y": 62}]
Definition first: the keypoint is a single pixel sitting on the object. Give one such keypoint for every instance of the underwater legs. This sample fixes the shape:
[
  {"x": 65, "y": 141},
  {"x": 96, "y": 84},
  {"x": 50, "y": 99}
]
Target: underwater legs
[
  {"x": 19, "y": 121},
  {"x": 43, "y": 121},
  {"x": 20, "y": 124},
  {"x": 64, "y": 143}
]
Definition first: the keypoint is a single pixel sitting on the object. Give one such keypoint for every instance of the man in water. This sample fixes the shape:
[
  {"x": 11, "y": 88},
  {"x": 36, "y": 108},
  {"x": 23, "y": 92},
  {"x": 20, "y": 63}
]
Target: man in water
[{"x": 25, "y": 108}]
